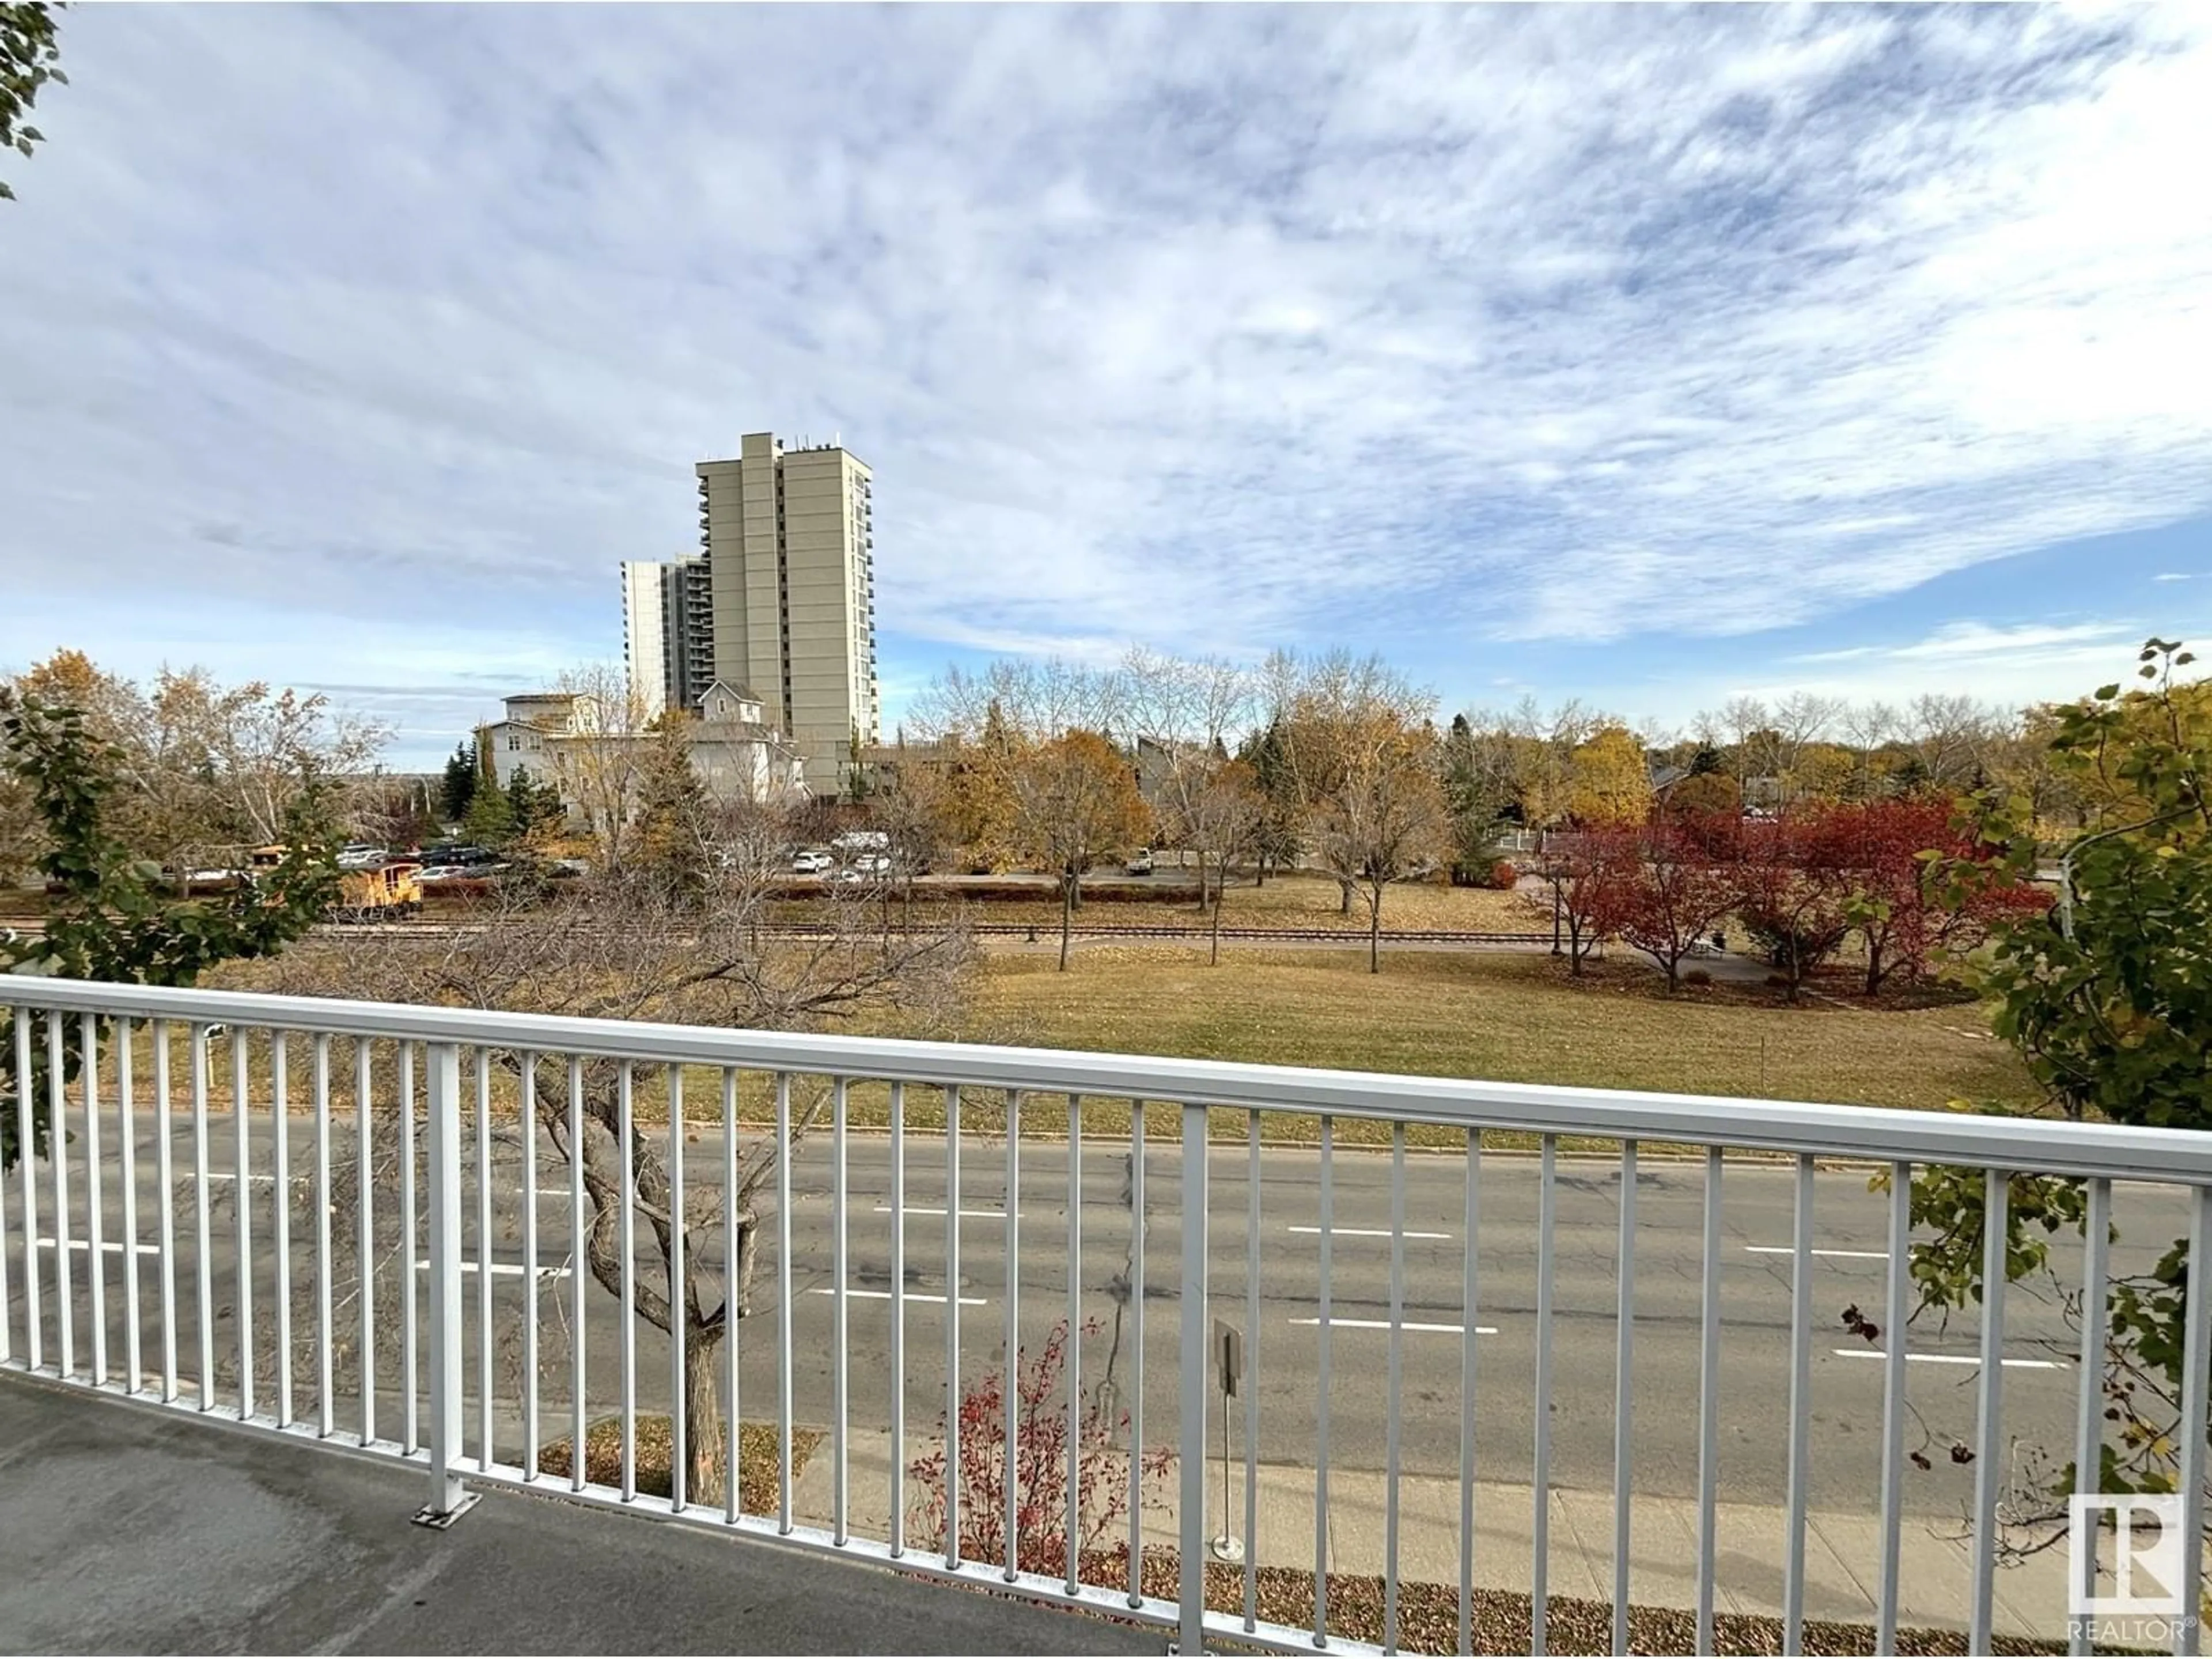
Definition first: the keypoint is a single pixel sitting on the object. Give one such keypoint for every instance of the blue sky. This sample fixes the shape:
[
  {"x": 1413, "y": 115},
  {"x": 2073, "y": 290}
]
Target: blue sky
[{"x": 1648, "y": 355}]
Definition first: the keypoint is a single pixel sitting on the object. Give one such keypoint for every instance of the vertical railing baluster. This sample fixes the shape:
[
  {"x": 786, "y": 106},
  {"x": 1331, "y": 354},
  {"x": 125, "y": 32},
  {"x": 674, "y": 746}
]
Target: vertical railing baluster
[
  {"x": 898, "y": 1318},
  {"x": 410, "y": 1377},
  {"x": 783, "y": 1401},
  {"x": 1624, "y": 1397},
  {"x": 2196, "y": 1381},
  {"x": 579, "y": 1268},
  {"x": 166, "y": 1220},
  {"x": 57, "y": 1155},
  {"x": 1249, "y": 1384},
  {"x": 732, "y": 1496},
  {"x": 447, "y": 1430},
  {"x": 626, "y": 1236},
  {"x": 952, "y": 1325},
  {"x": 95, "y": 1271},
  {"x": 126, "y": 1128},
  {"x": 280, "y": 1191},
  {"x": 2089, "y": 1419},
  {"x": 485, "y": 1334},
  {"x": 1469, "y": 1301},
  {"x": 364, "y": 1158},
  {"x": 1190, "y": 1427},
  {"x": 33, "y": 1333},
  {"x": 202, "y": 1268},
  {"x": 1893, "y": 1404},
  {"x": 1709, "y": 1407},
  {"x": 1989, "y": 1450},
  {"x": 1393, "y": 1387},
  {"x": 1010, "y": 1490},
  {"x": 534, "y": 1286},
  {"x": 1075, "y": 1342},
  {"x": 325, "y": 1421},
  {"x": 241, "y": 1117},
  {"x": 1323, "y": 1332},
  {"x": 678, "y": 1447},
  {"x": 1136, "y": 1352},
  {"x": 1801, "y": 1413},
  {"x": 840, "y": 1287},
  {"x": 1540, "y": 1522}
]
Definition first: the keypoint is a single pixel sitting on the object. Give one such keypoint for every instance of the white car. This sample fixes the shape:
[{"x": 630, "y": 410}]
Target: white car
[
  {"x": 810, "y": 864},
  {"x": 1141, "y": 865},
  {"x": 360, "y": 855}
]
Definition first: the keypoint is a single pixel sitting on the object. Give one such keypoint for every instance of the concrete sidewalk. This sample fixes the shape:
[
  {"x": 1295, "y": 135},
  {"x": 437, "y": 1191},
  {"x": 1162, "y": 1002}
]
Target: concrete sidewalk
[
  {"x": 1842, "y": 1551},
  {"x": 135, "y": 1529}
]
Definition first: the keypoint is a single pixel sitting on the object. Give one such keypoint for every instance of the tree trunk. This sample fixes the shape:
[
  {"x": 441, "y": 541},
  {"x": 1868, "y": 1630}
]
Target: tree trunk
[
  {"x": 1345, "y": 888},
  {"x": 1201, "y": 881},
  {"x": 1214, "y": 959},
  {"x": 707, "y": 1460},
  {"x": 1874, "y": 968},
  {"x": 1574, "y": 948},
  {"x": 1375, "y": 932},
  {"x": 1067, "y": 917}
]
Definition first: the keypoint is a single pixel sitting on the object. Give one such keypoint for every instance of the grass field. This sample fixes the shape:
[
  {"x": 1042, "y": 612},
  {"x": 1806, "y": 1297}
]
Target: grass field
[
  {"x": 1500, "y": 1016},
  {"x": 1289, "y": 902},
  {"x": 1506, "y": 1017}
]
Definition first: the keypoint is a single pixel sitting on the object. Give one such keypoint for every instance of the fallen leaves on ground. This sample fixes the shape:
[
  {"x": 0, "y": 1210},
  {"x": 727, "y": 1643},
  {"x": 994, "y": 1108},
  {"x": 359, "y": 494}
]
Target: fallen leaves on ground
[{"x": 759, "y": 1491}]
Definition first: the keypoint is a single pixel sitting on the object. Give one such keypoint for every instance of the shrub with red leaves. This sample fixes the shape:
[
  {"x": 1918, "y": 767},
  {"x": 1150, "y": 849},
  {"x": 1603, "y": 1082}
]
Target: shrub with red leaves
[{"x": 1043, "y": 1433}]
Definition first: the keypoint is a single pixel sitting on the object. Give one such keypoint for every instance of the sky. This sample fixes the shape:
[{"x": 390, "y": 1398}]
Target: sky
[{"x": 1653, "y": 356}]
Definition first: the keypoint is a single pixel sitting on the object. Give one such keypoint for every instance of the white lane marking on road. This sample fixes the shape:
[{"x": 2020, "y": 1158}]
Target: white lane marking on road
[
  {"x": 1408, "y": 1325},
  {"x": 505, "y": 1269},
  {"x": 925, "y": 1209},
  {"x": 1367, "y": 1232},
  {"x": 911, "y": 1296},
  {"x": 107, "y": 1246},
  {"x": 1950, "y": 1359},
  {"x": 226, "y": 1175},
  {"x": 1789, "y": 1250}
]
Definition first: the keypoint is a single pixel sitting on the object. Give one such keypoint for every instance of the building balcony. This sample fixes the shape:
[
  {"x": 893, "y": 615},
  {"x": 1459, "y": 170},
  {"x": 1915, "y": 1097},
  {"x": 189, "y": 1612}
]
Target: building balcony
[{"x": 1481, "y": 1352}]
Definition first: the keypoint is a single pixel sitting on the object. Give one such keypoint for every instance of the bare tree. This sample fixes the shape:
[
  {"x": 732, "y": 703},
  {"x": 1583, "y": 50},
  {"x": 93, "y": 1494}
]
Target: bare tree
[
  {"x": 1385, "y": 817},
  {"x": 620, "y": 951},
  {"x": 1223, "y": 814}
]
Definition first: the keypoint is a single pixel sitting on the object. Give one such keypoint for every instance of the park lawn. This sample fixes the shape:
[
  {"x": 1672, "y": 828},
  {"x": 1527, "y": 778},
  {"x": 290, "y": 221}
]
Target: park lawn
[
  {"x": 1287, "y": 902},
  {"x": 1503, "y": 1016}
]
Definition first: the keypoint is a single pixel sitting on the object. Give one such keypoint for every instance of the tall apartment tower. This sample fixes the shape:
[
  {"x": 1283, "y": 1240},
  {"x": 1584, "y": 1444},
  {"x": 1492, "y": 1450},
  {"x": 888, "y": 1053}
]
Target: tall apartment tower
[
  {"x": 790, "y": 572},
  {"x": 668, "y": 632}
]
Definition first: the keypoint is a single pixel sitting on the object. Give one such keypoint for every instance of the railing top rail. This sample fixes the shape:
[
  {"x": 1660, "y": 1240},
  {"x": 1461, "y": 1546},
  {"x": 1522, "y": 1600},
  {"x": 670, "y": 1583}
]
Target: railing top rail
[{"x": 1791, "y": 1126}]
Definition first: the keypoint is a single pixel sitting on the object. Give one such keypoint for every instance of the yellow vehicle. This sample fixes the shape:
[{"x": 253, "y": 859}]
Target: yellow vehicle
[{"x": 390, "y": 892}]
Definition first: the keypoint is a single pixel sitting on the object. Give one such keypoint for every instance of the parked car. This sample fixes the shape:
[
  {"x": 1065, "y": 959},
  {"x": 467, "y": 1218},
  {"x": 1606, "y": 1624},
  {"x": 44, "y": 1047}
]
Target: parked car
[
  {"x": 1141, "y": 863},
  {"x": 810, "y": 864},
  {"x": 362, "y": 855}
]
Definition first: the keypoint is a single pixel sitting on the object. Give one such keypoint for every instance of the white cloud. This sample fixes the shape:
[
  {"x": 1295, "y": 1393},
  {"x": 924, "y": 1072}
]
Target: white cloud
[{"x": 379, "y": 336}]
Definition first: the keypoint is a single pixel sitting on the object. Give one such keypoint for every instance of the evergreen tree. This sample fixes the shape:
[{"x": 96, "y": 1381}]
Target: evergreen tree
[
  {"x": 530, "y": 805},
  {"x": 672, "y": 818},
  {"x": 460, "y": 783}
]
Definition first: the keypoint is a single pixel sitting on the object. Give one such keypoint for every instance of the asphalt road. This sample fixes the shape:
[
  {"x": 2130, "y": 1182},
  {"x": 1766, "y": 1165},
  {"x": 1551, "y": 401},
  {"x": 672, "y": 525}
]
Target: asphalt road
[{"x": 1283, "y": 1338}]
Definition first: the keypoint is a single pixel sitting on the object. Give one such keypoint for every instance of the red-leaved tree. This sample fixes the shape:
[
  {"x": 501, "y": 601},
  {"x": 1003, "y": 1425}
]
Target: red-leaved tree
[
  {"x": 1794, "y": 893},
  {"x": 1041, "y": 1431},
  {"x": 1663, "y": 891},
  {"x": 1884, "y": 852}
]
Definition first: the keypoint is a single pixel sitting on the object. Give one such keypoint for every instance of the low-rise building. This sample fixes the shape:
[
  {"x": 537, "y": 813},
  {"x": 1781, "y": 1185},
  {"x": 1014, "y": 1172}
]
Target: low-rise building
[{"x": 565, "y": 740}]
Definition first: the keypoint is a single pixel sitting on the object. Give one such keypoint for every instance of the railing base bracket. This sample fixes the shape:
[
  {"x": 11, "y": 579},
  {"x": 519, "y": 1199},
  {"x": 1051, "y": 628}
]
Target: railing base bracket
[{"x": 439, "y": 1520}]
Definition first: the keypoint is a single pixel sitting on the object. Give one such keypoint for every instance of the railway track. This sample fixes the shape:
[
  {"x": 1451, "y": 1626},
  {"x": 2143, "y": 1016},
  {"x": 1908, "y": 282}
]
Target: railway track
[{"x": 1348, "y": 937}]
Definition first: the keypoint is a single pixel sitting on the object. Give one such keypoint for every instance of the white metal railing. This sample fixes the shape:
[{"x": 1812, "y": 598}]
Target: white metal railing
[{"x": 412, "y": 1116}]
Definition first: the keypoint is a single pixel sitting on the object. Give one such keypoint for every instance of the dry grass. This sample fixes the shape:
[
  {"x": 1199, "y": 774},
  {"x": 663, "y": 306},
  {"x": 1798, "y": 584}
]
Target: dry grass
[
  {"x": 1506, "y": 1017},
  {"x": 759, "y": 1486},
  {"x": 1287, "y": 902}
]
